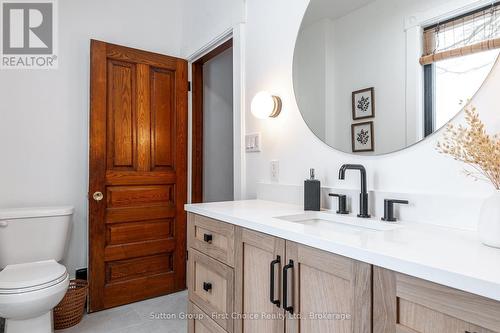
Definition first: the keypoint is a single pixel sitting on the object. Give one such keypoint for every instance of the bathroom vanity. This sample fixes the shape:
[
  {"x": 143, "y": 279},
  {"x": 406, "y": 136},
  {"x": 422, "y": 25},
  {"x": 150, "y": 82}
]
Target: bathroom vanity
[
  {"x": 260, "y": 266},
  {"x": 370, "y": 78}
]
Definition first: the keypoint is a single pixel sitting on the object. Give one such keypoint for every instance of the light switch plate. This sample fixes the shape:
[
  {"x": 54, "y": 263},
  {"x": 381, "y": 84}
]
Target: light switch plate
[
  {"x": 253, "y": 143},
  {"x": 275, "y": 171}
]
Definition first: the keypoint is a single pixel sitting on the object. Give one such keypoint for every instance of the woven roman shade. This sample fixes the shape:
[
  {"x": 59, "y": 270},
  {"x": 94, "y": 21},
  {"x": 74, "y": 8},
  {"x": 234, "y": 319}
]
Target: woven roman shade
[{"x": 471, "y": 33}]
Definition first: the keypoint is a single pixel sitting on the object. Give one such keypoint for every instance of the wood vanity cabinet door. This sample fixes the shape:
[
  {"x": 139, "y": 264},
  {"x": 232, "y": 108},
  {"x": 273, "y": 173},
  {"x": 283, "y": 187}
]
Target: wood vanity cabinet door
[
  {"x": 254, "y": 254},
  {"x": 331, "y": 293},
  {"x": 405, "y": 304}
]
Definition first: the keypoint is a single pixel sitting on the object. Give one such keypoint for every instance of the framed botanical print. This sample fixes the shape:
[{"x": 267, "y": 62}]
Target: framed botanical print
[
  {"x": 363, "y": 137},
  {"x": 363, "y": 104}
]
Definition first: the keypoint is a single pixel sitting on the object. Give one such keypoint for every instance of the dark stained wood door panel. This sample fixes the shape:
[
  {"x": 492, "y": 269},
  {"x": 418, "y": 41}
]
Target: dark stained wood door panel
[{"x": 138, "y": 161}]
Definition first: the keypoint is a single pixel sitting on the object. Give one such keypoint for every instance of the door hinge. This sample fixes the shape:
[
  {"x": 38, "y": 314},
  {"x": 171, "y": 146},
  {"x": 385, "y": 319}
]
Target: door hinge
[
  {"x": 187, "y": 255},
  {"x": 189, "y": 85}
]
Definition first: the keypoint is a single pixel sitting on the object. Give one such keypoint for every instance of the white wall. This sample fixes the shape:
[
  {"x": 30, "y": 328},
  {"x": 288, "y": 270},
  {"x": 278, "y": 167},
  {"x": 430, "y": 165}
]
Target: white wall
[
  {"x": 44, "y": 114},
  {"x": 218, "y": 128},
  {"x": 205, "y": 20}
]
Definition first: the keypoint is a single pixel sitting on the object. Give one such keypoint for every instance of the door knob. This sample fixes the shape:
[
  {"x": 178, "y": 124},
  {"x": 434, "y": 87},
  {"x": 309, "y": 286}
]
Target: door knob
[{"x": 98, "y": 196}]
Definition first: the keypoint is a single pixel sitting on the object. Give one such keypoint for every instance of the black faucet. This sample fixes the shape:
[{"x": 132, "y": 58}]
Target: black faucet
[
  {"x": 363, "y": 196},
  {"x": 389, "y": 209}
]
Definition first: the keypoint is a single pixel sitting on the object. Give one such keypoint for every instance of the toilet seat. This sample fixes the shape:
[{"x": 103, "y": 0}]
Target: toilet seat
[{"x": 28, "y": 277}]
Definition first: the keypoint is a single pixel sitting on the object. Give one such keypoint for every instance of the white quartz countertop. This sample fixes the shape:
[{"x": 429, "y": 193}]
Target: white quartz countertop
[{"x": 450, "y": 257}]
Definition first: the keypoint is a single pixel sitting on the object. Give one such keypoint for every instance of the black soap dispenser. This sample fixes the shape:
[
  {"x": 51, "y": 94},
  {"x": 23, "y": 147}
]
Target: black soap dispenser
[{"x": 312, "y": 193}]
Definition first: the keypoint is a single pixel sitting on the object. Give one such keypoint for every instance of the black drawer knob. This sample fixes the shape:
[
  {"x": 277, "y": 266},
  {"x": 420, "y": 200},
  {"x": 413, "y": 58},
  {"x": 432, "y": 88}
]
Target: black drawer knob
[
  {"x": 207, "y": 238},
  {"x": 207, "y": 286}
]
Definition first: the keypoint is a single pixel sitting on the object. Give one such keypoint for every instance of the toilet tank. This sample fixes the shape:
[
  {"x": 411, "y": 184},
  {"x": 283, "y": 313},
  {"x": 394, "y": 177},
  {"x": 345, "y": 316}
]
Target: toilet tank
[{"x": 33, "y": 234}]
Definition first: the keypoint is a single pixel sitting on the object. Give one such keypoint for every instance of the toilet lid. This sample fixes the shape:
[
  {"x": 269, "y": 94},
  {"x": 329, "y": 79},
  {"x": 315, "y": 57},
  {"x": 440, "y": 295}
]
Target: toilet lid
[{"x": 31, "y": 276}]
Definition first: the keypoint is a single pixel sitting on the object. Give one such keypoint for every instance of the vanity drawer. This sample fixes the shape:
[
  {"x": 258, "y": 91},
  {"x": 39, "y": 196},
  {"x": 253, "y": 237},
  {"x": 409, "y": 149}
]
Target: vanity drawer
[
  {"x": 405, "y": 304},
  {"x": 211, "y": 288},
  {"x": 201, "y": 322},
  {"x": 417, "y": 318},
  {"x": 211, "y": 237}
]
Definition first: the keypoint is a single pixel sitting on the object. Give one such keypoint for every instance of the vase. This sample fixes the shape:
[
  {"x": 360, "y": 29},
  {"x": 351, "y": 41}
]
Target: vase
[{"x": 489, "y": 221}]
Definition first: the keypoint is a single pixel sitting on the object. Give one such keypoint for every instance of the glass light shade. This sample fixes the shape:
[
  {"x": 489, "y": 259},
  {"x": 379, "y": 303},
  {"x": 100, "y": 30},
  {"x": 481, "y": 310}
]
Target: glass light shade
[{"x": 264, "y": 105}]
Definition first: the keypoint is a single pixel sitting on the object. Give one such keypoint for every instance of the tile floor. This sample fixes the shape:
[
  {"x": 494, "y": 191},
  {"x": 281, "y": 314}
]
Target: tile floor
[{"x": 136, "y": 317}]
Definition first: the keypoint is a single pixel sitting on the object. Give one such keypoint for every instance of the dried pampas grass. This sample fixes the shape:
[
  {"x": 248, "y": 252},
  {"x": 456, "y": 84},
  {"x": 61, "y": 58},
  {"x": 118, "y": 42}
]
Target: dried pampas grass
[{"x": 473, "y": 146}]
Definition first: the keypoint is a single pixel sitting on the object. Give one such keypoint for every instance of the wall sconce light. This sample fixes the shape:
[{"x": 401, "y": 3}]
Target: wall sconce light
[{"x": 264, "y": 105}]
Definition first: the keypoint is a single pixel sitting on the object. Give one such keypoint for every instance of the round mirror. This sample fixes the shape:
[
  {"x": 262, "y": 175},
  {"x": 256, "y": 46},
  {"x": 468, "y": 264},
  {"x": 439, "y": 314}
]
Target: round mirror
[{"x": 374, "y": 77}]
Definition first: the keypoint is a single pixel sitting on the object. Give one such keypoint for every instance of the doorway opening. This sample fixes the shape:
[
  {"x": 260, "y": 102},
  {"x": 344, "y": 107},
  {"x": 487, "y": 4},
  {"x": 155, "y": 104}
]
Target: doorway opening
[{"x": 213, "y": 124}]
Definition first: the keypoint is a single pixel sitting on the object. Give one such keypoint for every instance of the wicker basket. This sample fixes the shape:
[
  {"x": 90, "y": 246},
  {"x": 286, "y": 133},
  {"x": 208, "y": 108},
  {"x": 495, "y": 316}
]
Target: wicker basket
[{"x": 69, "y": 311}]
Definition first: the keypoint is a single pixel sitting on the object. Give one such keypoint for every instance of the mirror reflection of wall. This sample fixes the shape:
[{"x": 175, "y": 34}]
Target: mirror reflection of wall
[{"x": 420, "y": 57}]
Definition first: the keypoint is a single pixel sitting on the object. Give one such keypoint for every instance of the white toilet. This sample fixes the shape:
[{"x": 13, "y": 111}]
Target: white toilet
[{"x": 32, "y": 282}]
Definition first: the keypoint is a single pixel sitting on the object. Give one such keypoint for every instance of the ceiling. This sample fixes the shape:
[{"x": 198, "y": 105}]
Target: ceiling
[{"x": 320, "y": 9}]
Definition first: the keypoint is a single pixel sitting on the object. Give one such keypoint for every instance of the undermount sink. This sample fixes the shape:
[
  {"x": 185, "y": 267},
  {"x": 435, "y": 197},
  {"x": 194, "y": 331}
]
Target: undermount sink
[{"x": 325, "y": 219}]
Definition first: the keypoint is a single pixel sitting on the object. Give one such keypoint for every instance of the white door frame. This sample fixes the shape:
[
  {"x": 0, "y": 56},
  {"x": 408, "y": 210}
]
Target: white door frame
[{"x": 237, "y": 34}]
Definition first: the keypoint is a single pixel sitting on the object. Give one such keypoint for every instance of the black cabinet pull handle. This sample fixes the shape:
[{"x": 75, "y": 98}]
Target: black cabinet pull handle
[
  {"x": 207, "y": 238},
  {"x": 207, "y": 286},
  {"x": 271, "y": 282},
  {"x": 286, "y": 307}
]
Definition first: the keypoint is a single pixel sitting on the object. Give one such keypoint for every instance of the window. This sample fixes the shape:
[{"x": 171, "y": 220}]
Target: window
[{"x": 458, "y": 56}]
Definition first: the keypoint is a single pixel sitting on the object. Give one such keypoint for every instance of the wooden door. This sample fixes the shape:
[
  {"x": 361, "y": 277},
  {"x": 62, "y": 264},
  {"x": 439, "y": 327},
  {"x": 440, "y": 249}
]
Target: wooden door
[
  {"x": 137, "y": 186},
  {"x": 330, "y": 293},
  {"x": 257, "y": 255}
]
